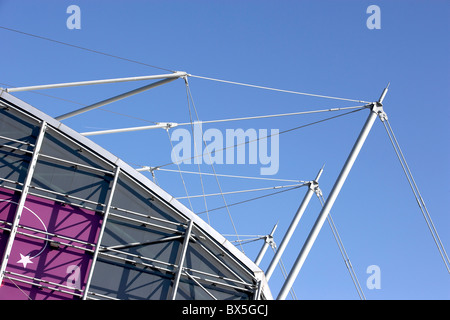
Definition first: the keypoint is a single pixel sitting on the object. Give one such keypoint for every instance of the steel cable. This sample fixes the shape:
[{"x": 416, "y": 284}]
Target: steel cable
[
  {"x": 420, "y": 202},
  {"x": 343, "y": 252}
]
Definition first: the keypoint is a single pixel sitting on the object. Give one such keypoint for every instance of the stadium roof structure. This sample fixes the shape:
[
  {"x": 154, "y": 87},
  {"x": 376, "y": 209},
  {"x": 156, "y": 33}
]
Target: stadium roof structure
[{"x": 77, "y": 222}]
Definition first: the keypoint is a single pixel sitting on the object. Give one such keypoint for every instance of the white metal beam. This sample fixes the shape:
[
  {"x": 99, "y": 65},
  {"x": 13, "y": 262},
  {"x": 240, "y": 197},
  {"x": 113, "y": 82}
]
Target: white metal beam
[
  {"x": 102, "y": 231},
  {"x": 115, "y": 98},
  {"x": 175, "y": 75},
  {"x": 187, "y": 237},
  {"x": 293, "y": 225},
  {"x": 163, "y": 125},
  {"x": 332, "y": 197}
]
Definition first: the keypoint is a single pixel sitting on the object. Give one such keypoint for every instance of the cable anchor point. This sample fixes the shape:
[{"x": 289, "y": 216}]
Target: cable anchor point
[
  {"x": 314, "y": 184},
  {"x": 377, "y": 107},
  {"x": 167, "y": 125},
  {"x": 185, "y": 78}
]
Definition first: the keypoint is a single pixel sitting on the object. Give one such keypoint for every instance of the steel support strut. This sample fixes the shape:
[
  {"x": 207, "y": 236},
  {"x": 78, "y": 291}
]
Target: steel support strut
[
  {"x": 293, "y": 225},
  {"x": 114, "y": 99},
  {"x": 375, "y": 110},
  {"x": 187, "y": 236},
  {"x": 92, "y": 82},
  {"x": 102, "y": 231},
  {"x": 268, "y": 240}
]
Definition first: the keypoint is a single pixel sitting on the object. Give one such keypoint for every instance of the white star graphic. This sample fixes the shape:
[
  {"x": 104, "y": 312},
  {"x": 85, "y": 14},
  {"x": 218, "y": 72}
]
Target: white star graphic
[{"x": 24, "y": 260}]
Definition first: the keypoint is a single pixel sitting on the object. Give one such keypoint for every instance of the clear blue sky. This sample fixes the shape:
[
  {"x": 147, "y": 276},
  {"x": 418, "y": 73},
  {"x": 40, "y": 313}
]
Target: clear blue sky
[{"x": 321, "y": 47}]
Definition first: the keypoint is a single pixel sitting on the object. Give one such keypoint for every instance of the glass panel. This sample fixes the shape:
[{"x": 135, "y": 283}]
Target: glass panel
[
  {"x": 126, "y": 282},
  {"x": 123, "y": 280},
  {"x": 17, "y": 126},
  {"x": 16, "y": 131},
  {"x": 58, "y": 146},
  {"x": 209, "y": 262},
  {"x": 13, "y": 167},
  {"x": 131, "y": 196},
  {"x": 71, "y": 181},
  {"x": 189, "y": 290},
  {"x": 141, "y": 241}
]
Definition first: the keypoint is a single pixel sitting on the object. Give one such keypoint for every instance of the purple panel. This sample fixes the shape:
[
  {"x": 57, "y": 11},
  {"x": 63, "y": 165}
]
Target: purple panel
[
  {"x": 64, "y": 267},
  {"x": 7, "y": 212}
]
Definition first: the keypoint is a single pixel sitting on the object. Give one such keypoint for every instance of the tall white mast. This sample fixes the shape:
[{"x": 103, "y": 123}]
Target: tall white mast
[{"x": 376, "y": 108}]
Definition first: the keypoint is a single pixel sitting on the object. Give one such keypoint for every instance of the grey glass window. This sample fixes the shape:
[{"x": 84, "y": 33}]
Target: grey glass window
[
  {"x": 17, "y": 137},
  {"x": 132, "y": 197},
  {"x": 59, "y": 146},
  {"x": 141, "y": 242},
  {"x": 71, "y": 181},
  {"x": 14, "y": 125},
  {"x": 69, "y": 173},
  {"x": 190, "y": 290},
  {"x": 13, "y": 168},
  {"x": 125, "y": 281}
]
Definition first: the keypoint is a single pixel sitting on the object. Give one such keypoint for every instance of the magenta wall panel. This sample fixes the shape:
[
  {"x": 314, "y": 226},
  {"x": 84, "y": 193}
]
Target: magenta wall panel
[{"x": 63, "y": 267}]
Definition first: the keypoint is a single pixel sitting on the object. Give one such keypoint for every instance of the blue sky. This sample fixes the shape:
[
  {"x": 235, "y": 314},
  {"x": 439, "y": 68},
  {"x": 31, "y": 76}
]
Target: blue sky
[{"x": 320, "y": 47}]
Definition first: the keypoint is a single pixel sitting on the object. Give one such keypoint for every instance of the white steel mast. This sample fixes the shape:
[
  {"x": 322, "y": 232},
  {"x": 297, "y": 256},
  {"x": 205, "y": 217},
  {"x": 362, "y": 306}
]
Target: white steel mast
[{"x": 376, "y": 108}]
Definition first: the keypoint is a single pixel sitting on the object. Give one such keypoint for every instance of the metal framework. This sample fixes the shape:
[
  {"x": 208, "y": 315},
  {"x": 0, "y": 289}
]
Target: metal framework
[
  {"x": 228, "y": 270},
  {"x": 23, "y": 196},
  {"x": 239, "y": 274},
  {"x": 102, "y": 230},
  {"x": 187, "y": 236}
]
